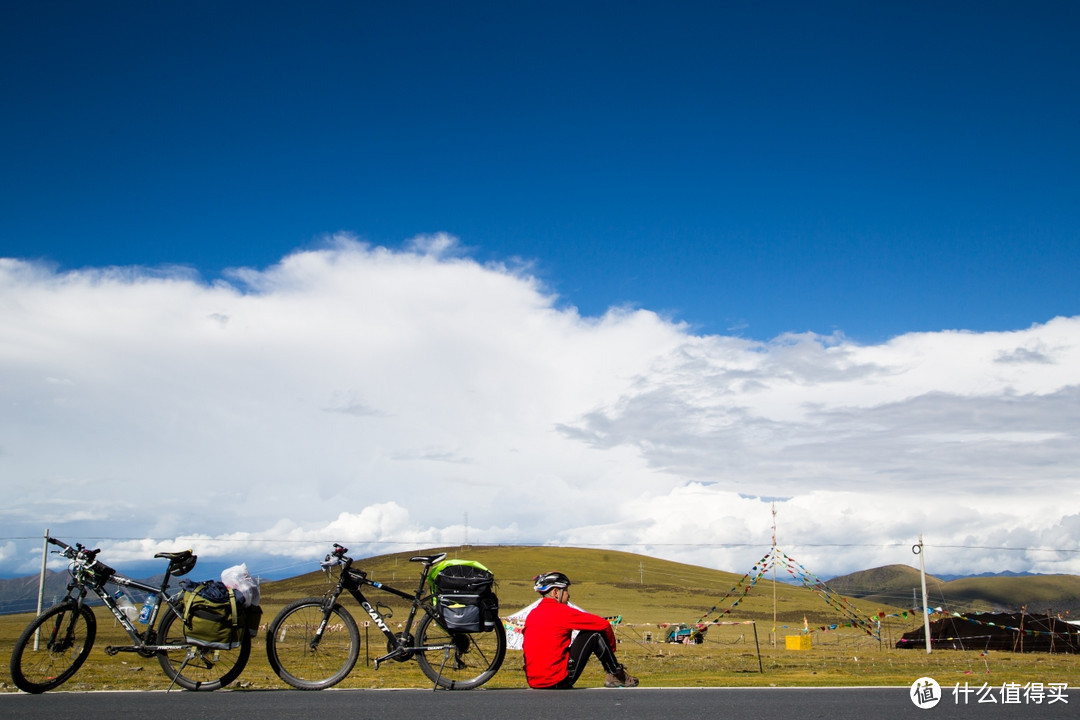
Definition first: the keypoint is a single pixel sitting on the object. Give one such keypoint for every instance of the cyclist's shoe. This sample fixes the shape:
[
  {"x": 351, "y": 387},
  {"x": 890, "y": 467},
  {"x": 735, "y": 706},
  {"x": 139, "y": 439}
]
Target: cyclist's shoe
[{"x": 620, "y": 678}]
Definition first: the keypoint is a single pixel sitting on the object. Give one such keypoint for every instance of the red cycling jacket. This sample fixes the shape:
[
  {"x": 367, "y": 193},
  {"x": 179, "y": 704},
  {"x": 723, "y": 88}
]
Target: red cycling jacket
[{"x": 546, "y": 639}]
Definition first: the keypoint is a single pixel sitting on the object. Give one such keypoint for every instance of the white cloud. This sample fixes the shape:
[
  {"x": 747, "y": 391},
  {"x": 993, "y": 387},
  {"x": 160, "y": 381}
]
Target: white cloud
[{"x": 375, "y": 397}]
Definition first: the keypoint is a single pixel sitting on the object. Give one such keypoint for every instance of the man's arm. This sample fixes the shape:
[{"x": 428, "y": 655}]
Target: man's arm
[{"x": 581, "y": 620}]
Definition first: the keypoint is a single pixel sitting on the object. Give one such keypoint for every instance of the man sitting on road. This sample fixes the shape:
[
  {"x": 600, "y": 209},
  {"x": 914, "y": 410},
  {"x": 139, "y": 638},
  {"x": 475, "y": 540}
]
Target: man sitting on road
[{"x": 552, "y": 661}]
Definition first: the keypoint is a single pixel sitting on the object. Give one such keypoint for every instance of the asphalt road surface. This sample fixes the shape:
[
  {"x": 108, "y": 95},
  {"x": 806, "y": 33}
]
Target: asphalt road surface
[{"x": 590, "y": 704}]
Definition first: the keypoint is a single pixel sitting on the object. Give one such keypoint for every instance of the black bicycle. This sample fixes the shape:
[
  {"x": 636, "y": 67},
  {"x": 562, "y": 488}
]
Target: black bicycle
[
  {"x": 55, "y": 645},
  {"x": 313, "y": 643}
]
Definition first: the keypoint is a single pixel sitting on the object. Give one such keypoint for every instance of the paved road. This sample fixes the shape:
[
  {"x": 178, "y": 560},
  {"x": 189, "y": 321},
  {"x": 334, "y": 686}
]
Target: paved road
[{"x": 591, "y": 704}]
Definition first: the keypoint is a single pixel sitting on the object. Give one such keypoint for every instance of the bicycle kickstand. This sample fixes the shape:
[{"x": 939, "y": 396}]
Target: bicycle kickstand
[
  {"x": 180, "y": 670},
  {"x": 445, "y": 658}
]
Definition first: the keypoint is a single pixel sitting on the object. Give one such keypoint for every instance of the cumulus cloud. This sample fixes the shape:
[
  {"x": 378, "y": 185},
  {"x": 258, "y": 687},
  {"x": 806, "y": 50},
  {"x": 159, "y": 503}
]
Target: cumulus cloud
[{"x": 376, "y": 397}]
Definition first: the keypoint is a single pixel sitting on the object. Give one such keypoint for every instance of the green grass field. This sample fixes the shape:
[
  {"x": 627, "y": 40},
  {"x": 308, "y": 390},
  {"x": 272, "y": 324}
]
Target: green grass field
[{"x": 648, "y": 594}]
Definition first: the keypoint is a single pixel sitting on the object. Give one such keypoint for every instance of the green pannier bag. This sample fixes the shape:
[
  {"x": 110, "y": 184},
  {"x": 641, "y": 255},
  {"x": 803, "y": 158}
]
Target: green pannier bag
[
  {"x": 218, "y": 624},
  {"x": 460, "y": 576}
]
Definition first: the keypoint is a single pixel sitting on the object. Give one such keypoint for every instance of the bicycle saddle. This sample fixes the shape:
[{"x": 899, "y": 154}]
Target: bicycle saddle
[
  {"x": 428, "y": 559},
  {"x": 180, "y": 563}
]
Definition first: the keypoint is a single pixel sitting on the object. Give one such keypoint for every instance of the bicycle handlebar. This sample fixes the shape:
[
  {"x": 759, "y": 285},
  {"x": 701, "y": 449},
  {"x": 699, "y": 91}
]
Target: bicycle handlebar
[
  {"x": 85, "y": 557},
  {"x": 59, "y": 543},
  {"x": 336, "y": 557}
]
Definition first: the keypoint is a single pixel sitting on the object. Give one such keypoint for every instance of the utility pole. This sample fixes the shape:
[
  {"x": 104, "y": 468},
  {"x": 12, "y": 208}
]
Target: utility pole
[
  {"x": 641, "y": 571},
  {"x": 41, "y": 584},
  {"x": 918, "y": 550}
]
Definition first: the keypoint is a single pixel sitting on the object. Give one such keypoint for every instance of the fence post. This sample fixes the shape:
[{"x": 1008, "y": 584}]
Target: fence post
[{"x": 758, "y": 646}]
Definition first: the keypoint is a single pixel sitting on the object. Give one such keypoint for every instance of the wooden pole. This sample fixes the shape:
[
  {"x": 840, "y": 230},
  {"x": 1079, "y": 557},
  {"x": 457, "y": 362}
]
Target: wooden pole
[
  {"x": 773, "y": 553},
  {"x": 758, "y": 646}
]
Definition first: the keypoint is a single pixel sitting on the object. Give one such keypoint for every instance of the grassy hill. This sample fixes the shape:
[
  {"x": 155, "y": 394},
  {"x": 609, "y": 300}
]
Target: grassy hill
[
  {"x": 607, "y": 582},
  {"x": 645, "y": 589},
  {"x": 645, "y": 592},
  {"x": 1038, "y": 593},
  {"x": 893, "y": 584}
]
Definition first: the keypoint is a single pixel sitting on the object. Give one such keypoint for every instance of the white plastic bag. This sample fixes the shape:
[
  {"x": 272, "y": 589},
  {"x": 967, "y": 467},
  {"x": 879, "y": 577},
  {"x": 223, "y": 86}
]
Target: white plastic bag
[{"x": 239, "y": 579}]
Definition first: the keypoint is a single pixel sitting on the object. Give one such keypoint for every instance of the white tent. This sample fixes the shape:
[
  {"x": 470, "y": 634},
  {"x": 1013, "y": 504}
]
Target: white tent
[{"x": 515, "y": 626}]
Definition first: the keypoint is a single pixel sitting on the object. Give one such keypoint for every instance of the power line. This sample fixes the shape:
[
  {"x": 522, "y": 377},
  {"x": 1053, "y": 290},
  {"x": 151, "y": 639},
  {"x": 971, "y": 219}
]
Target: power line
[{"x": 537, "y": 543}]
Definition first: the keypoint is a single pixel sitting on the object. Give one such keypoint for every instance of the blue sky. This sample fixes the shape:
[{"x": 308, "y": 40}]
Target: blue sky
[
  {"x": 868, "y": 168},
  {"x": 739, "y": 251}
]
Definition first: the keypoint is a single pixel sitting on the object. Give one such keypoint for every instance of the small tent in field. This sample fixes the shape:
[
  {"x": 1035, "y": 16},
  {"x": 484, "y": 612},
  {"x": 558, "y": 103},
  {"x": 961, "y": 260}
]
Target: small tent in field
[{"x": 1015, "y": 632}]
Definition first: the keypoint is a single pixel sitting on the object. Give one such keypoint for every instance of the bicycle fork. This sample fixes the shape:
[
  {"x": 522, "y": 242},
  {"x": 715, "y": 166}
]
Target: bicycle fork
[
  {"x": 327, "y": 608},
  {"x": 61, "y": 637}
]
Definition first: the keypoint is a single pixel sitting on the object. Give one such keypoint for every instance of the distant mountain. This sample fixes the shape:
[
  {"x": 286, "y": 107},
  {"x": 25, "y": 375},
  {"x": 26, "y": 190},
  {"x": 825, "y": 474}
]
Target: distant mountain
[
  {"x": 20, "y": 594},
  {"x": 1003, "y": 573}
]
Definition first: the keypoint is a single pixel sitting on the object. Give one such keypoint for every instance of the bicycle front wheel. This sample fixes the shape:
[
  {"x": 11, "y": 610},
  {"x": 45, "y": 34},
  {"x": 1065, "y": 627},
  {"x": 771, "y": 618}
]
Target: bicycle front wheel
[
  {"x": 66, "y": 636},
  {"x": 308, "y": 660},
  {"x": 198, "y": 668},
  {"x": 459, "y": 661}
]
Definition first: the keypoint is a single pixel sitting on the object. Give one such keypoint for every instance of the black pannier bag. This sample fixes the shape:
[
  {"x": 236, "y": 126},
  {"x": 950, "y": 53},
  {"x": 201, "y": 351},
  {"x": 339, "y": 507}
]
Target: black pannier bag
[
  {"x": 468, "y": 612},
  {"x": 464, "y": 600}
]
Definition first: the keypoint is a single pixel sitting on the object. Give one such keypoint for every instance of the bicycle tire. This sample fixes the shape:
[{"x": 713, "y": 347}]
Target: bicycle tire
[
  {"x": 476, "y": 656},
  {"x": 194, "y": 667},
  {"x": 289, "y": 644},
  {"x": 62, "y": 647}
]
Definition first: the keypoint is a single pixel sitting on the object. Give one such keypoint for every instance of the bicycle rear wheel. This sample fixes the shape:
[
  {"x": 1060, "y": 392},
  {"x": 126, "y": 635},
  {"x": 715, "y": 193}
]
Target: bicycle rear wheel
[
  {"x": 67, "y": 634},
  {"x": 459, "y": 661},
  {"x": 194, "y": 667},
  {"x": 307, "y": 661}
]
